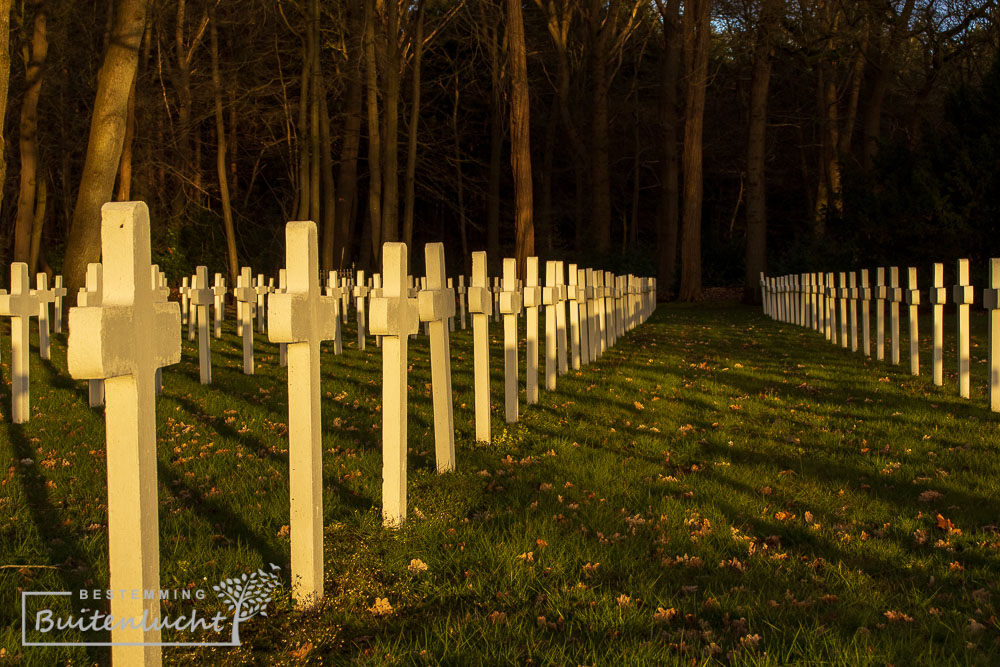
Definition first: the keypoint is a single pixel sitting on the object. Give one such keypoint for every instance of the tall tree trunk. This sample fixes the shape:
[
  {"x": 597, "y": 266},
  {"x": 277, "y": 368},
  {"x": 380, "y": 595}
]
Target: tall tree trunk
[
  {"x": 107, "y": 134},
  {"x": 599, "y": 170},
  {"x": 303, "y": 142},
  {"x": 496, "y": 154},
  {"x": 520, "y": 139},
  {"x": 459, "y": 181},
  {"x": 4, "y": 85},
  {"x": 125, "y": 164},
  {"x": 29, "y": 135},
  {"x": 885, "y": 70},
  {"x": 374, "y": 142},
  {"x": 315, "y": 93},
  {"x": 347, "y": 171},
  {"x": 760, "y": 77},
  {"x": 221, "y": 162},
  {"x": 547, "y": 222},
  {"x": 669, "y": 207},
  {"x": 697, "y": 29},
  {"x": 411, "y": 148},
  {"x": 390, "y": 145},
  {"x": 38, "y": 223},
  {"x": 181, "y": 78},
  {"x": 329, "y": 204}
]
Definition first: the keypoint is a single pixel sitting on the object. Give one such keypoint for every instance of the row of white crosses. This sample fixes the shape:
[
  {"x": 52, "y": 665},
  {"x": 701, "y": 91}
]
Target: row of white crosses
[{"x": 808, "y": 300}]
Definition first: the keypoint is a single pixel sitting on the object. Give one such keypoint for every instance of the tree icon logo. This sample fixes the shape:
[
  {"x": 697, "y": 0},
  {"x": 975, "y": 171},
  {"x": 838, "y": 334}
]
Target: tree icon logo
[{"x": 248, "y": 596}]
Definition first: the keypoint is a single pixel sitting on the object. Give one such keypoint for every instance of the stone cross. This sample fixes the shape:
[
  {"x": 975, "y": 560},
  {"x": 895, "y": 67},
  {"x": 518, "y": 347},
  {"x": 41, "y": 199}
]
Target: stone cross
[
  {"x": 219, "y": 290},
  {"x": 375, "y": 294},
  {"x": 161, "y": 294},
  {"x": 245, "y": 295},
  {"x": 806, "y": 311},
  {"x": 550, "y": 297},
  {"x": 912, "y": 298},
  {"x": 880, "y": 294},
  {"x": 124, "y": 341},
  {"x": 852, "y": 294},
  {"x": 91, "y": 296},
  {"x": 610, "y": 309},
  {"x": 895, "y": 298},
  {"x": 510, "y": 306},
  {"x": 796, "y": 300},
  {"x": 481, "y": 307},
  {"x": 201, "y": 297},
  {"x": 192, "y": 319},
  {"x": 45, "y": 296},
  {"x": 764, "y": 296},
  {"x": 938, "y": 296},
  {"x": 301, "y": 319},
  {"x": 262, "y": 294},
  {"x": 335, "y": 291},
  {"x": 451, "y": 320},
  {"x": 573, "y": 295},
  {"x": 819, "y": 317},
  {"x": 461, "y": 301},
  {"x": 583, "y": 302},
  {"x": 423, "y": 286},
  {"x": 496, "y": 298},
  {"x": 347, "y": 283},
  {"x": 361, "y": 293},
  {"x": 184, "y": 290},
  {"x": 58, "y": 291},
  {"x": 532, "y": 299},
  {"x": 831, "y": 308},
  {"x": 20, "y": 305},
  {"x": 963, "y": 296},
  {"x": 599, "y": 295},
  {"x": 436, "y": 306},
  {"x": 282, "y": 289},
  {"x": 865, "y": 295},
  {"x": 991, "y": 301},
  {"x": 395, "y": 316},
  {"x": 843, "y": 293}
]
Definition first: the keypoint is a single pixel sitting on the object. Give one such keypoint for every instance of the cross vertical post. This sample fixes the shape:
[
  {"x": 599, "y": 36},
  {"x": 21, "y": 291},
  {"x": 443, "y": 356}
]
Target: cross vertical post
[
  {"x": 963, "y": 297},
  {"x": 865, "y": 294},
  {"x": 852, "y": 295},
  {"x": 335, "y": 291},
  {"x": 583, "y": 324},
  {"x": 45, "y": 297},
  {"x": 912, "y": 296},
  {"x": 58, "y": 292},
  {"x": 895, "y": 298},
  {"x": 550, "y": 296},
  {"x": 245, "y": 295},
  {"x": 20, "y": 305},
  {"x": 991, "y": 301},
  {"x": 436, "y": 306},
  {"x": 574, "y": 317},
  {"x": 201, "y": 298},
  {"x": 481, "y": 307},
  {"x": 938, "y": 297},
  {"x": 532, "y": 300},
  {"x": 842, "y": 294},
  {"x": 361, "y": 293},
  {"x": 880, "y": 294},
  {"x": 461, "y": 300},
  {"x": 219, "y": 291},
  {"x": 510, "y": 305}
]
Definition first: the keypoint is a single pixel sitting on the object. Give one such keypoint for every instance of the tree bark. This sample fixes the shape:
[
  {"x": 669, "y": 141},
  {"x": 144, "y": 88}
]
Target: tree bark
[
  {"x": 669, "y": 213},
  {"x": 181, "y": 78},
  {"x": 38, "y": 224},
  {"x": 885, "y": 69},
  {"x": 411, "y": 149},
  {"x": 329, "y": 204},
  {"x": 347, "y": 171},
  {"x": 697, "y": 27},
  {"x": 29, "y": 136},
  {"x": 107, "y": 134},
  {"x": 4, "y": 85},
  {"x": 390, "y": 145},
  {"x": 374, "y": 143},
  {"x": 520, "y": 139},
  {"x": 315, "y": 93},
  {"x": 124, "y": 190},
  {"x": 760, "y": 77},
  {"x": 303, "y": 139},
  {"x": 496, "y": 153},
  {"x": 600, "y": 176},
  {"x": 221, "y": 163}
]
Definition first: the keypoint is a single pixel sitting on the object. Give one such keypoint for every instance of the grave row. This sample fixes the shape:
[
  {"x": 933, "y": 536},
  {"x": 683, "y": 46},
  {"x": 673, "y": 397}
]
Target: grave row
[
  {"x": 125, "y": 330},
  {"x": 822, "y": 300}
]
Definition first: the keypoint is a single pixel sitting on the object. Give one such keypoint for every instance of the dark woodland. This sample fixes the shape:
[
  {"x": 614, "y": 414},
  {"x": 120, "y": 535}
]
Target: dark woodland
[{"x": 698, "y": 141}]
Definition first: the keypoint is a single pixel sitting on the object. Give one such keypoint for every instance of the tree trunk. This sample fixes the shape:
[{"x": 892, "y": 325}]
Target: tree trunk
[
  {"x": 496, "y": 155},
  {"x": 600, "y": 176},
  {"x": 756, "y": 250},
  {"x": 329, "y": 204},
  {"x": 4, "y": 85},
  {"x": 181, "y": 78},
  {"x": 390, "y": 146},
  {"x": 221, "y": 162},
  {"x": 125, "y": 164},
  {"x": 303, "y": 142},
  {"x": 374, "y": 143},
  {"x": 315, "y": 93},
  {"x": 459, "y": 180},
  {"x": 547, "y": 222},
  {"x": 411, "y": 148},
  {"x": 885, "y": 69},
  {"x": 669, "y": 207},
  {"x": 38, "y": 223},
  {"x": 29, "y": 136},
  {"x": 520, "y": 140},
  {"x": 107, "y": 134},
  {"x": 347, "y": 172},
  {"x": 697, "y": 29}
]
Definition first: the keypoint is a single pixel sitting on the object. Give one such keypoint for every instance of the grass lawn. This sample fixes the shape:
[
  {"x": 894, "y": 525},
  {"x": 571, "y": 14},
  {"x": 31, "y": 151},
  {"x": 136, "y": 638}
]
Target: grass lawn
[{"x": 719, "y": 487}]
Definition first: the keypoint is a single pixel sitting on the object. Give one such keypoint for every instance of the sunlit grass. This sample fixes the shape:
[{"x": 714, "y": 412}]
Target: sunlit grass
[{"x": 718, "y": 486}]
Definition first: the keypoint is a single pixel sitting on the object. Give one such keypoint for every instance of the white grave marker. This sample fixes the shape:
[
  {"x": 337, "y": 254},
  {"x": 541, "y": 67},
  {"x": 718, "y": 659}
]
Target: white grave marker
[
  {"x": 436, "y": 305},
  {"x": 912, "y": 296},
  {"x": 550, "y": 296},
  {"x": 481, "y": 307},
  {"x": 573, "y": 297},
  {"x": 865, "y": 294},
  {"x": 461, "y": 300},
  {"x": 583, "y": 316},
  {"x": 510, "y": 306},
  {"x": 843, "y": 293},
  {"x": 394, "y": 316},
  {"x": 895, "y": 298},
  {"x": 219, "y": 291},
  {"x": 991, "y": 301},
  {"x": 335, "y": 292},
  {"x": 532, "y": 297},
  {"x": 58, "y": 291},
  {"x": 361, "y": 293},
  {"x": 301, "y": 318},
  {"x": 938, "y": 297},
  {"x": 88, "y": 297},
  {"x": 245, "y": 295},
  {"x": 20, "y": 305},
  {"x": 852, "y": 294},
  {"x": 124, "y": 341},
  {"x": 201, "y": 298},
  {"x": 963, "y": 297},
  {"x": 45, "y": 296},
  {"x": 262, "y": 294}
]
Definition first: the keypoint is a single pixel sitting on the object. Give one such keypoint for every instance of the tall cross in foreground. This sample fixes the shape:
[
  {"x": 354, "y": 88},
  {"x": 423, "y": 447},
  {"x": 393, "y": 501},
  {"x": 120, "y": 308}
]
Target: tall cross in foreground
[
  {"x": 302, "y": 318},
  {"x": 436, "y": 306},
  {"x": 124, "y": 341}
]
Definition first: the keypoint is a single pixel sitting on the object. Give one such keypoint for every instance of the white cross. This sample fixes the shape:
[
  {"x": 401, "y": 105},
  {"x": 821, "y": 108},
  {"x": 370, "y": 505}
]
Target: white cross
[
  {"x": 895, "y": 295},
  {"x": 282, "y": 289},
  {"x": 376, "y": 293},
  {"x": 560, "y": 305},
  {"x": 963, "y": 296},
  {"x": 124, "y": 341},
  {"x": 201, "y": 297},
  {"x": 481, "y": 307},
  {"x": 394, "y": 316},
  {"x": 59, "y": 292},
  {"x": 161, "y": 293},
  {"x": 938, "y": 296},
  {"x": 510, "y": 305},
  {"x": 335, "y": 291},
  {"x": 262, "y": 292},
  {"x": 880, "y": 294},
  {"x": 550, "y": 298},
  {"x": 360, "y": 293},
  {"x": 192, "y": 310},
  {"x": 345, "y": 296},
  {"x": 302, "y": 318},
  {"x": 532, "y": 297},
  {"x": 865, "y": 294},
  {"x": 991, "y": 301},
  {"x": 842, "y": 294},
  {"x": 184, "y": 289},
  {"x": 245, "y": 295},
  {"x": 461, "y": 300},
  {"x": 20, "y": 305},
  {"x": 45, "y": 297},
  {"x": 451, "y": 320},
  {"x": 219, "y": 290},
  {"x": 91, "y": 296},
  {"x": 583, "y": 296},
  {"x": 436, "y": 304},
  {"x": 573, "y": 297},
  {"x": 912, "y": 295}
]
